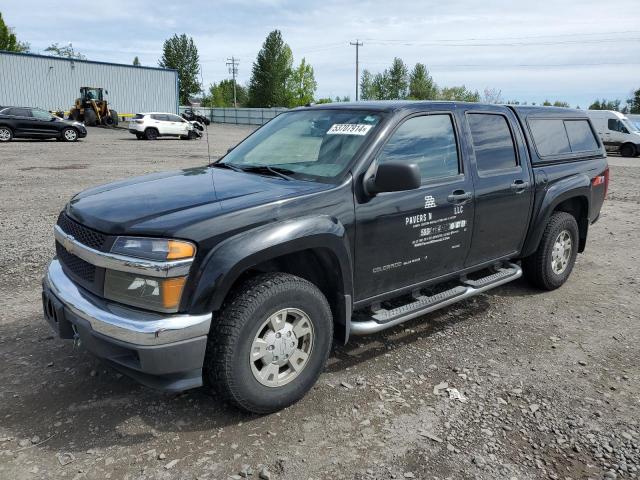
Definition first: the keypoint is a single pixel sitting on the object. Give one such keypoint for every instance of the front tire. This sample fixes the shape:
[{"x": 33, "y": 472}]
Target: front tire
[
  {"x": 6, "y": 134},
  {"x": 270, "y": 343},
  {"x": 550, "y": 266},
  {"x": 69, "y": 135}
]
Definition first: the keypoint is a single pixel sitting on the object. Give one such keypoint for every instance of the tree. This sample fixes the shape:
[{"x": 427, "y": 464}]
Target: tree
[
  {"x": 221, "y": 95},
  {"x": 301, "y": 85},
  {"x": 634, "y": 102},
  {"x": 136, "y": 62},
  {"x": 381, "y": 86},
  {"x": 459, "y": 94},
  {"x": 270, "y": 73},
  {"x": 180, "y": 53},
  {"x": 366, "y": 86},
  {"x": 492, "y": 95},
  {"x": 421, "y": 84},
  {"x": 397, "y": 80},
  {"x": 605, "y": 104},
  {"x": 8, "y": 40},
  {"x": 65, "y": 51}
]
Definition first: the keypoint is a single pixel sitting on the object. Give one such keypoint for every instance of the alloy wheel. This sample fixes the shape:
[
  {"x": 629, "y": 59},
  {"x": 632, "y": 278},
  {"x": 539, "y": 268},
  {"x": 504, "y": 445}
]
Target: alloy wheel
[{"x": 281, "y": 348}]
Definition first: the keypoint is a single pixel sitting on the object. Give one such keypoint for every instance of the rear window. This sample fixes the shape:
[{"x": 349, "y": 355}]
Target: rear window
[
  {"x": 561, "y": 137},
  {"x": 581, "y": 136}
]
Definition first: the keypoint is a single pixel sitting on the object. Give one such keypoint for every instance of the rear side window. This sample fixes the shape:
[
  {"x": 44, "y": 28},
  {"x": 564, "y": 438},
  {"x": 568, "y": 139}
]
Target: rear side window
[
  {"x": 138, "y": 116},
  {"x": 492, "y": 142},
  {"x": 581, "y": 136},
  {"x": 428, "y": 141},
  {"x": 550, "y": 137},
  {"x": 18, "y": 112},
  {"x": 558, "y": 137}
]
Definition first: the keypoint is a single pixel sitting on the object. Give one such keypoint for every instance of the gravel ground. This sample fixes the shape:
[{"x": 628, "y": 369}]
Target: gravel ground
[{"x": 549, "y": 382}]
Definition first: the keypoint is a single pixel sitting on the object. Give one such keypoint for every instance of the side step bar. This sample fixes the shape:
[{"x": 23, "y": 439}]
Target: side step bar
[{"x": 383, "y": 319}]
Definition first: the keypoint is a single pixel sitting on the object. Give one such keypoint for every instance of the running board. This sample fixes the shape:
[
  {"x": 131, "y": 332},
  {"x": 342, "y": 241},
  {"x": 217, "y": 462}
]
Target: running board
[{"x": 382, "y": 319}]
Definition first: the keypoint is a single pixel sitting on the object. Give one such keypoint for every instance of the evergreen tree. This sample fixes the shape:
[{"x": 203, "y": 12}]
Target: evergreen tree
[
  {"x": 8, "y": 40},
  {"x": 136, "y": 62},
  {"x": 397, "y": 80},
  {"x": 421, "y": 84},
  {"x": 270, "y": 73},
  {"x": 181, "y": 54},
  {"x": 221, "y": 95},
  {"x": 366, "y": 86}
]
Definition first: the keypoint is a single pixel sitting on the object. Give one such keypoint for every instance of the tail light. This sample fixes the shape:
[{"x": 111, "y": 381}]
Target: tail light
[{"x": 602, "y": 179}]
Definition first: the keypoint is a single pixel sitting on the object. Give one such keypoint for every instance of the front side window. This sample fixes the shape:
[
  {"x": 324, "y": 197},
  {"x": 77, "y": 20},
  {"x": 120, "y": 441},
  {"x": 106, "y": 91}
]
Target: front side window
[
  {"x": 175, "y": 118},
  {"x": 41, "y": 114},
  {"x": 429, "y": 141},
  {"x": 160, "y": 118},
  {"x": 312, "y": 144},
  {"x": 492, "y": 142}
]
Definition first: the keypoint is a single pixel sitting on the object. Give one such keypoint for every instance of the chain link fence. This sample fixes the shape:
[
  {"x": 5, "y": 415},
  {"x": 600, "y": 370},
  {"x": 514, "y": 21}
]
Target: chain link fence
[{"x": 239, "y": 116}]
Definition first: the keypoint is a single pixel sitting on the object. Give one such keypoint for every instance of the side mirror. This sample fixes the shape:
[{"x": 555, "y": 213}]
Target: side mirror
[{"x": 394, "y": 177}]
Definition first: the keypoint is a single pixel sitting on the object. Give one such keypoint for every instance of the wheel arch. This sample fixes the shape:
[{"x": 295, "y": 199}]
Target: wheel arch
[
  {"x": 569, "y": 195},
  {"x": 314, "y": 248}
]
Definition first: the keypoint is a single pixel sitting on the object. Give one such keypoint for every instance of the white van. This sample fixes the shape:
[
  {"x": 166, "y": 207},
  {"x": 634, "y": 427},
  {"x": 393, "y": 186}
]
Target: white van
[{"x": 616, "y": 131}]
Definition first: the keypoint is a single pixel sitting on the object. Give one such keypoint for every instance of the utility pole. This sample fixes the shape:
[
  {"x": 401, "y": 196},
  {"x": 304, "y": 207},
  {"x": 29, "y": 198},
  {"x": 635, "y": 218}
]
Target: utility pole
[
  {"x": 232, "y": 63},
  {"x": 357, "y": 44}
]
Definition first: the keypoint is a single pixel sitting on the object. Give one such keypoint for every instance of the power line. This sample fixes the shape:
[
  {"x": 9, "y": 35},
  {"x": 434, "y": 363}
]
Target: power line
[
  {"x": 233, "y": 63},
  {"x": 357, "y": 44},
  {"x": 504, "y": 44},
  {"x": 523, "y": 65},
  {"x": 623, "y": 32}
]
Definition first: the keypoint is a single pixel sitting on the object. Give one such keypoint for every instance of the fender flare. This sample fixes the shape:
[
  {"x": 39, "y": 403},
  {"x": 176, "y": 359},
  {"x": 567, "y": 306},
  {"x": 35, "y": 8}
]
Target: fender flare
[
  {"x": 225, "y": 263},
  {"x": 575, "y": 186}
]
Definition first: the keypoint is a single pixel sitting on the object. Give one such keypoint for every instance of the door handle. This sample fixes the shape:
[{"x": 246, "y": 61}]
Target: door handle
[
  {"x": 519, "y": 186},
  {"x": 459, "y": 196}
]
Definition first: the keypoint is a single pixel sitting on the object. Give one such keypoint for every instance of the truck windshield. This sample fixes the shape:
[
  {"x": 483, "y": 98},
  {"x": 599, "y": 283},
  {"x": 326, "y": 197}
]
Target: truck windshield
[
  {"x": 313, "y": 144},
  {"x": 631, "y": 126}
]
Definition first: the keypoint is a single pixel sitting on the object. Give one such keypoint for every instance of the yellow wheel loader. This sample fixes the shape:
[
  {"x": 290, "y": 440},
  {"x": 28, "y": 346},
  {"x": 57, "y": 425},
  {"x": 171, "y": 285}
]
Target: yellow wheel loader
[{"x": 92, "y": 108}]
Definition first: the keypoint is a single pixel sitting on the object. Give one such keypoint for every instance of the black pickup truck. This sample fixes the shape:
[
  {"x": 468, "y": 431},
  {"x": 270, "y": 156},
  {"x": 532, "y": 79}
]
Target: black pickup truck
[{"x": 329, "y": 221}]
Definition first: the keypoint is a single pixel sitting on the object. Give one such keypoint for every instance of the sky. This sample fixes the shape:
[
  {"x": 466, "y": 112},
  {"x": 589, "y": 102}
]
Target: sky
[{"x": 569, "y": 50}]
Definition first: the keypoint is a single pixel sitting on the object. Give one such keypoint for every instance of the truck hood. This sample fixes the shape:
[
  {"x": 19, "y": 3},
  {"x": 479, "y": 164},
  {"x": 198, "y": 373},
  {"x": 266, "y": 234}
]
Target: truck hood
[{"x": 157, "y": 203}]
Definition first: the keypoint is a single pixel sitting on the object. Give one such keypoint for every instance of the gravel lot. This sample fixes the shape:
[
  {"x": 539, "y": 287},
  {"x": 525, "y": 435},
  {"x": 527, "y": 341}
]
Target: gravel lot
[{"x": 551, "y": 380}]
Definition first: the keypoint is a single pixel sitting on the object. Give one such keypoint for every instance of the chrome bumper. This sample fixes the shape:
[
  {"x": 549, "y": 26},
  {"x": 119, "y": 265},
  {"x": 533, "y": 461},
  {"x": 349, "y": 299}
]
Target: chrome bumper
[{"x": 121, "y": 323}]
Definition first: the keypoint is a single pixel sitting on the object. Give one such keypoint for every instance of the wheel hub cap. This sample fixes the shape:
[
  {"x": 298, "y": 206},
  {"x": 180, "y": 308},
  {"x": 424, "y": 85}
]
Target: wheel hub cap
[
  {"x": 561, "y": 252},
  {"x": 281, "y": 348},
  {"x": 4, "y": 134}
]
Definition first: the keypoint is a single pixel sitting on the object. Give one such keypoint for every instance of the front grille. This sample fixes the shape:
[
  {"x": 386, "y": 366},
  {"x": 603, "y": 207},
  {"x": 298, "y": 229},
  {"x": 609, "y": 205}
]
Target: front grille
[
  {"x": 78, "y": 267},
  {"x": 82, "y": 234}
]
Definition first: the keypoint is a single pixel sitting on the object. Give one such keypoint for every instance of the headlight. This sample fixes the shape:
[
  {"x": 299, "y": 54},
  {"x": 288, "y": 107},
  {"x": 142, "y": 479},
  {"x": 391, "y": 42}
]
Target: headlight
[
  {"x": 152, "y": 293},
  {"x": 149, "y": 292},
  {"x": 158, "y": 249}
]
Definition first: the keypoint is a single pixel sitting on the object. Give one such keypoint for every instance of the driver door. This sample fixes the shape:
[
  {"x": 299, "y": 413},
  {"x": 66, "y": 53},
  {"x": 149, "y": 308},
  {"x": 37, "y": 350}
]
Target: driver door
[{"x": 408, "y": 237}]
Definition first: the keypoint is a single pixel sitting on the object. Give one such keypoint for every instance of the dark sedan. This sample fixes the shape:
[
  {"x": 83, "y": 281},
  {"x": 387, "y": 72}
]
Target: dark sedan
[{"x": 25, "y": 122}]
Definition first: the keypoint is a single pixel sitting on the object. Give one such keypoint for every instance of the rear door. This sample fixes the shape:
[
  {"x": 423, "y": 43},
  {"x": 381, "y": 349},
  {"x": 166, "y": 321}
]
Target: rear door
[
  {"x": 502, "y": 183},
  {"x": 404, "y": 238},
  {"x": 23, "y": 123}
]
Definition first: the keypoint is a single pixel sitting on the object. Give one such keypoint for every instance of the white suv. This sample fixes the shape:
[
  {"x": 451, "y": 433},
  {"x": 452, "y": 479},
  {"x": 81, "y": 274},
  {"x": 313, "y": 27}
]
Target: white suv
[{"x": 153, "y": 125}]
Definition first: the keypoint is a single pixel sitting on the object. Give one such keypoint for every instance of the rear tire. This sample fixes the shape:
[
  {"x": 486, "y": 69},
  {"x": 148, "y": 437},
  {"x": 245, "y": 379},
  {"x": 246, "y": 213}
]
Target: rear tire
[
  {"x": 550, "y": 266},
  {"x": 273, "y": 323},
  {"x": 151, "y": 134},
  {"x": 628, "y": 150},
  {"x": 6, "y": 134}
]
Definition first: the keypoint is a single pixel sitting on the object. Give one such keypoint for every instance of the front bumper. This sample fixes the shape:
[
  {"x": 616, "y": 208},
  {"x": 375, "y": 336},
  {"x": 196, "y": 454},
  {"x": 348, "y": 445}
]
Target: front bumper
[{"x": 164, "y": 351}]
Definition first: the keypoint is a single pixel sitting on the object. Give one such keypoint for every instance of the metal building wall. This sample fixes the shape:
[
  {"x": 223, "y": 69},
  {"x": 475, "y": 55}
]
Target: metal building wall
[{"x": 54, "y": 83}]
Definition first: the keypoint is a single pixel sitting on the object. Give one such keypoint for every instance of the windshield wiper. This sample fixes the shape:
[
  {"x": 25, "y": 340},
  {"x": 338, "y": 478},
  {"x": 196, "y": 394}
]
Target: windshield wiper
[
  {"x": 266, "y": 169},
  {"x": 226, "y": 165}
]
